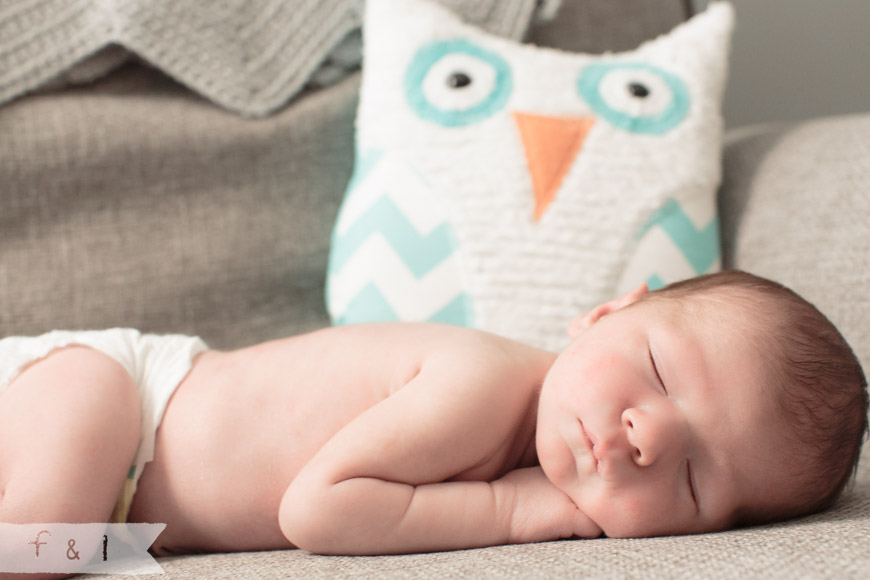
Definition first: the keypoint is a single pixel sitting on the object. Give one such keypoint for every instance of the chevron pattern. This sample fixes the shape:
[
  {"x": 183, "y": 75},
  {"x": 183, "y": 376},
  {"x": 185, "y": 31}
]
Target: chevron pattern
[
  {"x": 671, "y": 247},
  {"x": 699, "y": 246},
  {"x": 419, "y": 252},
  {"x": 393, "y": 254}
]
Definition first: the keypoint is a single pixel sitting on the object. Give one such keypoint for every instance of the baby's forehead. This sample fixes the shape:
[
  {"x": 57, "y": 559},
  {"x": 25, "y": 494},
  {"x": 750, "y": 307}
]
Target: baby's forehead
[
  {"x": 720, "y": 297},
  {"x": 745, "y": 314}
]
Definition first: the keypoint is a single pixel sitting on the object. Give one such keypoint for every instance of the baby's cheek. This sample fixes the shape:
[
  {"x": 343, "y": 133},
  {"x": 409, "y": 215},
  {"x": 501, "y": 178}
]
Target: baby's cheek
[
  {"x": 556, "y": 461},
  {"x": 602, "y": 368}
]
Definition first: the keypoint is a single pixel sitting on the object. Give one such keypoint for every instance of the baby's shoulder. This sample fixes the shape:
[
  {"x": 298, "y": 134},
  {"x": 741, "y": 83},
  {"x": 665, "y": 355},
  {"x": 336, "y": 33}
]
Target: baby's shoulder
[
  {"x": 474, "y": 351},
  {"x": 442, "y": 338},
  {"x": 405, "y": 349}
]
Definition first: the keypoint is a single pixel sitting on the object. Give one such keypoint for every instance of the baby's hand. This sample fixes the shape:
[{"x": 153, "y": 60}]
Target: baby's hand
[{"x": 541, "y": 511}]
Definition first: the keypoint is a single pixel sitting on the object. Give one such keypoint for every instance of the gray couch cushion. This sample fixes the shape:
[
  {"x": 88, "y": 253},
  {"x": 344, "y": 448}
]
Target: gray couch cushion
[
  {"x": 135, "y": 203},
  {"x": 831, "y": 545}
]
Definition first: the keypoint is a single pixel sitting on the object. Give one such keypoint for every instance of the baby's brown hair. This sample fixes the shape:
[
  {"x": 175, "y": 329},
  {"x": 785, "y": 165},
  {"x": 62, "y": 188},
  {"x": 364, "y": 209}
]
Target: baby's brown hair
[{"x": 819, "y": 387}]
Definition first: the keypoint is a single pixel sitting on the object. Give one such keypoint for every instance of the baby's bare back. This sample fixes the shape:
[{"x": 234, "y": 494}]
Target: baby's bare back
[{"x": 243, "y": 423}]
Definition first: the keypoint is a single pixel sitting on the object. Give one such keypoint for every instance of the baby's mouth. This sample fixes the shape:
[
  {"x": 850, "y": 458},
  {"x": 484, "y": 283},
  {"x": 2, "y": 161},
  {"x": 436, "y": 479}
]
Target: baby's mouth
[
  {"x": 594, "y": 449},
  {"x": 588, "y": 439}
]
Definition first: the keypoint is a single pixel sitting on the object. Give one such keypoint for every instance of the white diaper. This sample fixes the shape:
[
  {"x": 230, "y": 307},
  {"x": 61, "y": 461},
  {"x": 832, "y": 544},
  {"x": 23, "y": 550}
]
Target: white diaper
[{"x": 157, "y": 364}]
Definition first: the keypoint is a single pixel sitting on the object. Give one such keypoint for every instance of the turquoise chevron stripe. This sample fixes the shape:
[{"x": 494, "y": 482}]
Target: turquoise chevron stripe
[
  {"x": 368, "y": 306},
  {"x": 458, "y": 312},
  {"x": 371, "y": 306},
  {"x": 654, "y": 282},
  {"x": 420, "y": 253},
  {"x": 364, "y": 163},
  {"x": 701, "y": 247}
]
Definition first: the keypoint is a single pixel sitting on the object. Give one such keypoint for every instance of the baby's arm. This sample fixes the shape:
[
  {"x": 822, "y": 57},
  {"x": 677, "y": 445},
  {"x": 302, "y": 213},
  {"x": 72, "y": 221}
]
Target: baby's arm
[
  {"x": 541, "y": 511},
  {"x": 378, "y": 486}
]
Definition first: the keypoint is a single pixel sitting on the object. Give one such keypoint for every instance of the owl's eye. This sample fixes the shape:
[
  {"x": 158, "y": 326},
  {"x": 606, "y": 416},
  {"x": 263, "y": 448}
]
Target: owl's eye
[
  {"x": 637, "y": 97},
  {"x": 638, "y": 90},
  {"x": 458, "y": 80},
  {"x": 456, "y": 83}
]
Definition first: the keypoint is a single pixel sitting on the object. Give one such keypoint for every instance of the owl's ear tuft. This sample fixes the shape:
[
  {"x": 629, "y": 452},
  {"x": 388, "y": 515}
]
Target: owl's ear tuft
[
  {"x": 388, "y": 21},
  {"x": 696, "y": 46}
]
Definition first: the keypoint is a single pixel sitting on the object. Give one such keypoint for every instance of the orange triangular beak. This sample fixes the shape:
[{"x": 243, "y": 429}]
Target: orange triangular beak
[{"x": 551, "y": 144}]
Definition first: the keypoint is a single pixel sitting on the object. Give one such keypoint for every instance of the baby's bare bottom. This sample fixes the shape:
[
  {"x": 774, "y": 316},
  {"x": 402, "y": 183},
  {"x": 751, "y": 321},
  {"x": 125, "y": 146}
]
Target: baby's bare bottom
[{"x": 69, "y": 429}]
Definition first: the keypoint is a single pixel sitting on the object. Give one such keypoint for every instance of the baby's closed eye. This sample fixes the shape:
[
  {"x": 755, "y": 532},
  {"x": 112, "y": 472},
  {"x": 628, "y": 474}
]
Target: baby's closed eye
[{"x": 655, "y": 369}]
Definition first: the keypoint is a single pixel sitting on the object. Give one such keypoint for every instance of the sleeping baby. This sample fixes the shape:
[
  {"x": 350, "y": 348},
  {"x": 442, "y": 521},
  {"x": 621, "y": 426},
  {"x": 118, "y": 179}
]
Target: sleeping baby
[{"x": 720, "y": 401}]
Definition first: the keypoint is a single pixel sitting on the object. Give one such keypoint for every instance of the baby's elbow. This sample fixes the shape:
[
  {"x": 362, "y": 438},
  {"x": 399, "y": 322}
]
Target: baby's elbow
[
  {"x": 306, "y": 523},
  {"x": 299, "y": 523}
]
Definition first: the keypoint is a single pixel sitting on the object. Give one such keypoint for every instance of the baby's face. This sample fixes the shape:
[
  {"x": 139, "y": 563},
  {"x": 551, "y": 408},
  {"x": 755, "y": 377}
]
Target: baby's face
[{"x": 655, "y": 423}]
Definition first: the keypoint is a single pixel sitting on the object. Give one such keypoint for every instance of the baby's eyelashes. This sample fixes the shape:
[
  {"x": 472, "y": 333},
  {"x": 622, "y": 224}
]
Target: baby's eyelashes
[
  {"x": 655, "y": 368},
  {"x": 692, "y": 485}
]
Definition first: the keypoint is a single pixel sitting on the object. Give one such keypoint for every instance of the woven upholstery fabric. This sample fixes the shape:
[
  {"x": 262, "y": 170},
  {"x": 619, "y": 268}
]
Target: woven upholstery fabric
[
  {"x": 831, "y": 545},
  {"x": 134, "y": 203},
  {"x": 250, "y": 56}
]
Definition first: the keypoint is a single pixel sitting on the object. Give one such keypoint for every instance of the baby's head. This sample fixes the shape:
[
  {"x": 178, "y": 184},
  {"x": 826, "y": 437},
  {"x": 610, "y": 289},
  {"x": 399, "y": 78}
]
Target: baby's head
[
  {"x": 814, "y": 377},
  {"x": 756, "y": 412}
]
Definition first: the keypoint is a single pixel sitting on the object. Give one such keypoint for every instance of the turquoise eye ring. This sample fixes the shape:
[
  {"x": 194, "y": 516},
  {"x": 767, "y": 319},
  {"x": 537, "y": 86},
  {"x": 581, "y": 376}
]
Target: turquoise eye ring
[
  {"x": 428, "y": 56},
  {"x": 589, "y": 87}
]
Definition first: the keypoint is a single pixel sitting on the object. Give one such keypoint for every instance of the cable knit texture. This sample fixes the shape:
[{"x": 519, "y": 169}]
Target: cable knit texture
[{"x": 249, "y": 56}]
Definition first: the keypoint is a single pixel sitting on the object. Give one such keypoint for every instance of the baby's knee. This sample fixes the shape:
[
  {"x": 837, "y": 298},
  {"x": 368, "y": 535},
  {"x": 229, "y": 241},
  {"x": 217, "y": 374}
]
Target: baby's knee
[{"x": 105, "y": 401}]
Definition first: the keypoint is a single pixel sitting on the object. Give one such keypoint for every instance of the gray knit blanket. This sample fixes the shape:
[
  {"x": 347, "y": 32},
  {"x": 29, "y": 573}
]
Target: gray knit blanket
[{"x": 249, "y": 56}]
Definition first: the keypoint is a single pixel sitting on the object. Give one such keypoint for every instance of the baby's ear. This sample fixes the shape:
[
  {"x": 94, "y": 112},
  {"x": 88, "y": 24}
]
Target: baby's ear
[{"x": 584, "y": 321}]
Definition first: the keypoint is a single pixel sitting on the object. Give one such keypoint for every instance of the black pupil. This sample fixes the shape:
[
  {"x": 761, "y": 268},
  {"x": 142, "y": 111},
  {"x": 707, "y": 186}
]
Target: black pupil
[
  {"x": 458, "y": 80},
  {"x": 638, "y": 90}
]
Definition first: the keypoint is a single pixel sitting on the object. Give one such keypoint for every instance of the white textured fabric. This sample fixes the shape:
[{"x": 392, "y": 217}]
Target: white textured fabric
[
  {"x": 250, "y": 56},
  {"x": 156, "y": 363},
  {"x": 440, "y": 222}
]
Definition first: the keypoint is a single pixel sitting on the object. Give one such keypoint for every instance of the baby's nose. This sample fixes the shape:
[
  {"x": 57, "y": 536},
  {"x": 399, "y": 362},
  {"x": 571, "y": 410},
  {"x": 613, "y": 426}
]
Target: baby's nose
[{"x": 648, "y": 434}]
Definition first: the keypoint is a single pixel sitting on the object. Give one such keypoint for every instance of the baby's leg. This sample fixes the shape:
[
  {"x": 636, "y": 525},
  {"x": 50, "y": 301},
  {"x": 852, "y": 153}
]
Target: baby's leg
[{"x": 69, "y": 429}]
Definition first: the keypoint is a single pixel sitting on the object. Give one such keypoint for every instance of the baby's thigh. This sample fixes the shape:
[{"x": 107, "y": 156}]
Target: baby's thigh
[{"x": 69, "y": 429}]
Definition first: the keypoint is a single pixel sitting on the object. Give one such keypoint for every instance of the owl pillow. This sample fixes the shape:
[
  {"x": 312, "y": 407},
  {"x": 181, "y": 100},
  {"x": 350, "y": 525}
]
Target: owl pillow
[{"x": 509, "y": 187}]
